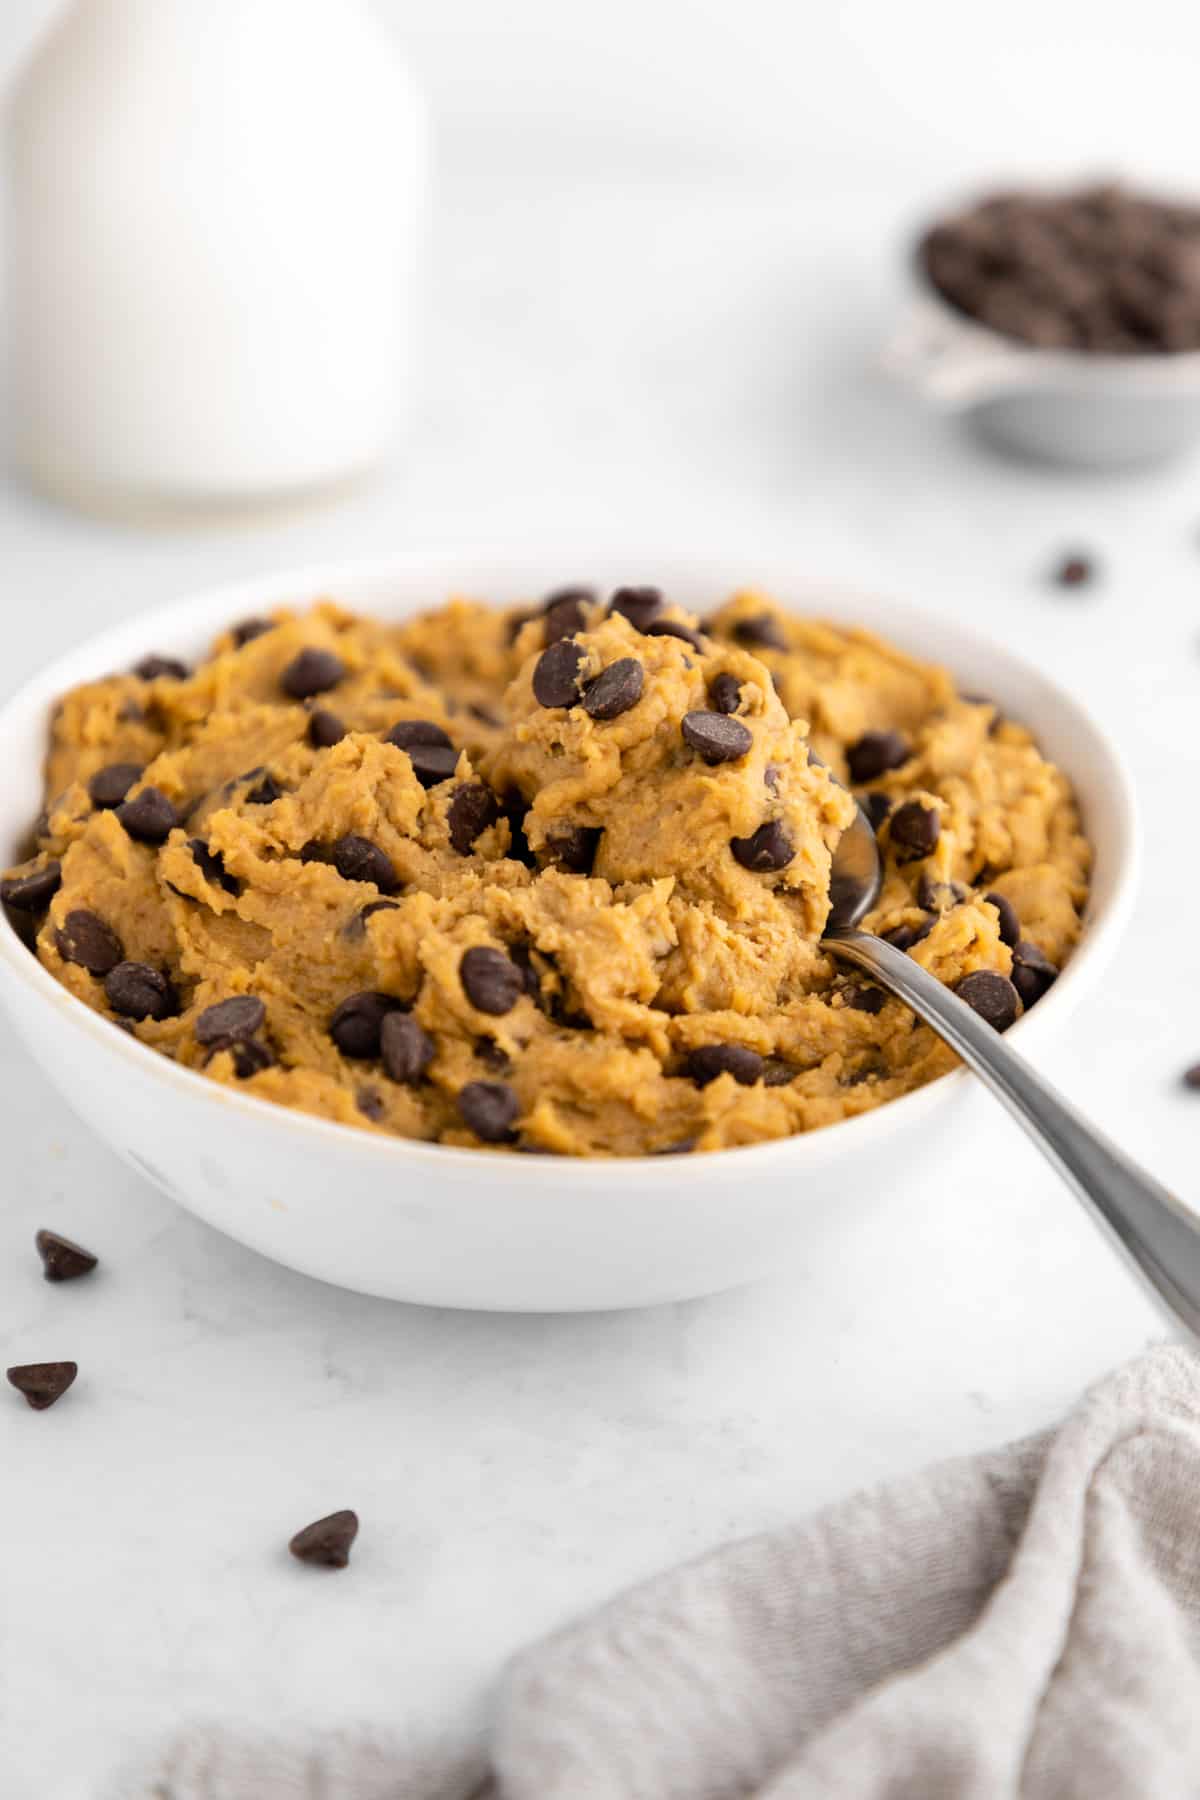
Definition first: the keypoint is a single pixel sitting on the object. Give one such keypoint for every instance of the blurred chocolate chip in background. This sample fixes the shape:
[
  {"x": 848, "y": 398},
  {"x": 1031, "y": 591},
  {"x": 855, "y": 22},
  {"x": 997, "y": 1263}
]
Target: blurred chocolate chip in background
[{"x": 1100, "y": 269}]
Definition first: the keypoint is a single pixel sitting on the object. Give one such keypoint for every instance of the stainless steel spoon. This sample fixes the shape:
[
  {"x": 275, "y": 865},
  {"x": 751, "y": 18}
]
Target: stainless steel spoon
[{"x": 1159, "y": 1238}]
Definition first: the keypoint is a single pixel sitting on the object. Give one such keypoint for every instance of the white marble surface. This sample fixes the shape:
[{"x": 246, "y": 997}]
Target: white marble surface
[{"x": 665, "y": 361}]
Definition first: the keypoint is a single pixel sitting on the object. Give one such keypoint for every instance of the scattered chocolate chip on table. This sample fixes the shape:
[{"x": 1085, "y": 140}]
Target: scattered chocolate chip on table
[
  {"x": 1075, "y": 571},
  {"x": 42, "y": 1383},
  {"x": 326, "y": 1542},
  {"x": 63, "y": 1260}
]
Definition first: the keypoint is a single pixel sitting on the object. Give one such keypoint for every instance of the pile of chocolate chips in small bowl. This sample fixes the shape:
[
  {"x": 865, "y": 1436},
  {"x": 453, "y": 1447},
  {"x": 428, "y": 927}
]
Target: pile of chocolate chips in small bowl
[{"x": 1099, "y": 269}]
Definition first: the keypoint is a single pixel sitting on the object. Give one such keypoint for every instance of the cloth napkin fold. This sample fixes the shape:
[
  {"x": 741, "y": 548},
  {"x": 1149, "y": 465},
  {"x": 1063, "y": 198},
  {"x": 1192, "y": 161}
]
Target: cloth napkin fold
[{"x": 1023, "y": 1623}]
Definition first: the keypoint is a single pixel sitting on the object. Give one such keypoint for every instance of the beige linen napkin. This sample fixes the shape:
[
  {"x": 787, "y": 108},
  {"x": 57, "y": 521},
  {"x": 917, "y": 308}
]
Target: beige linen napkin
[{"x": 1025, "y": 1623}]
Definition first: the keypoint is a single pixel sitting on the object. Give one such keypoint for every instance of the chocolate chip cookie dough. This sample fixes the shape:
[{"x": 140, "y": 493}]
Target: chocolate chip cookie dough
[{"x": 552, "y": 878}]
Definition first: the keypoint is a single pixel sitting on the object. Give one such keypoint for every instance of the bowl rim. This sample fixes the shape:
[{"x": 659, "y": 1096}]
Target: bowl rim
[{"x": 203, "y": 612}]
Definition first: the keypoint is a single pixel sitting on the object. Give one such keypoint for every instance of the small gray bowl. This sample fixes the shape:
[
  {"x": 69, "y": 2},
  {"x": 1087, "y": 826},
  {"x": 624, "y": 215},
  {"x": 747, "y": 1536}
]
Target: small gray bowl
[{"x": 1063, "y": 406}]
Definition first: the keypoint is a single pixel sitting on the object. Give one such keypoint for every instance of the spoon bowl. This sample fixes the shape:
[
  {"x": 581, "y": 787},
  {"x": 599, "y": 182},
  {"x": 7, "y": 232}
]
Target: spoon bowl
[{"x": 856, "y": 876}]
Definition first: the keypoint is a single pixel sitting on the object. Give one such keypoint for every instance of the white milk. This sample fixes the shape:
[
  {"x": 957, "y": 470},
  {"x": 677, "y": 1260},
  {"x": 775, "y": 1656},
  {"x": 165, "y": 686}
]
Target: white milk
[{"x": 215, "y": 223}]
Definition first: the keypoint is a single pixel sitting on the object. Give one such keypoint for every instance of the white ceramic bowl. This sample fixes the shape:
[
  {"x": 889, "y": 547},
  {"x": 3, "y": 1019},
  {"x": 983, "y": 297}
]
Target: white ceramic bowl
[{"x": 472, "y": 1228}]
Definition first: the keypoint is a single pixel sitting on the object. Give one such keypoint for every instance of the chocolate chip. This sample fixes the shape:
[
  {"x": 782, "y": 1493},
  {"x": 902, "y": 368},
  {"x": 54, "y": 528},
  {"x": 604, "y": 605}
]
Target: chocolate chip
[
  {"x": 490, "y": 1109},
  {"x": 573, "y": 847},
  {"x": 903, "y": 937},
  {"x": 864, "y": 997},
  {"x": 708, "y": 1061},
  {"x": 137, "y": 991},
  {"x": 238, "y": 1017},
  {"x": 369, "y": 1104},
  {"x": 717, "y": 737},
  {"x": 1191, "y": 1077},
  {"x": 614, "y": 690},
  {"x": 358, "y": 859},
  {"x": 763, "y": 632},
  {"x": 356, "y": 1025},
  {"x": 211, "y": 865},
  {"x": 771, "y": 776},
  {"x": 432, "y": 763},
  {"x": 473, "y": 808},
  {"x": 875, "y": 753},
  {"x": 407, "y": 1050},
  {"x": 249, "y": 629},
  {"x": 408, "y": 734},
  {"x": 326, "y": 1542},
  {"x": 991, "y": 995},
  {"x": 640, "y": 605},
  {"x": 725, "y": 692},
  {"x": 491, "y": 981},
  {"x": 84, "y": 938},
  {"x": 315, "y": 852},
  {"x": 680, "y": 1148},
  {"x": 109, "y": 785},
  {"x": 489, "y": 1053},
  {"x": 1010, "y": 923},
  {"x": 32, "y": 893},
  {"x": 250, "y": 1055},
  {"x": 765, "y": 850},
  {"x": 675, "y": 628},
  {"x": 149, "y": 816},
  {"x": 43, "y": 1383},
  {"x": 427, "y": 747},
  {"x": 563, "y": 620},
  {"x": 915, "y": 830},
  {"x": 1074, "y": 571},
  {"x": 63, "y": 1260},
  {"x": 325, "y": 729},
  {"x": 265, "y": 793},
  {"x": 312, "y": 672},
  {"x": 1033, "y": 974},
  {"x": 877, "y": 806},
  {"x": 939, "y": 896},
  {"x": 152, "y": 667},
  {"x": 556, "y": 674},
  {"x": 586, "y": 596}
]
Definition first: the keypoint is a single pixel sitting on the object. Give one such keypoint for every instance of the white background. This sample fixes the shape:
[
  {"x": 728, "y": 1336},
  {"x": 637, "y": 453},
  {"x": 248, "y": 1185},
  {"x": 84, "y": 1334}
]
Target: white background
[
  {"x": 664, "y": 254},
  {"x": 803, "y": 87}
]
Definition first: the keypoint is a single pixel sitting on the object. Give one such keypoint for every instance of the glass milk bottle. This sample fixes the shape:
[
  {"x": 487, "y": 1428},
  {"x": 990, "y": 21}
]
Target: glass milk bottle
[{"x": 215, "y": 224}]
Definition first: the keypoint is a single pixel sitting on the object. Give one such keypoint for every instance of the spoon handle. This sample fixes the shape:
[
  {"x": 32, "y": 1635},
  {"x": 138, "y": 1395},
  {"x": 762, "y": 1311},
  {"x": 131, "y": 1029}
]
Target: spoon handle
[{"x": 1157, "y": 1235}]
